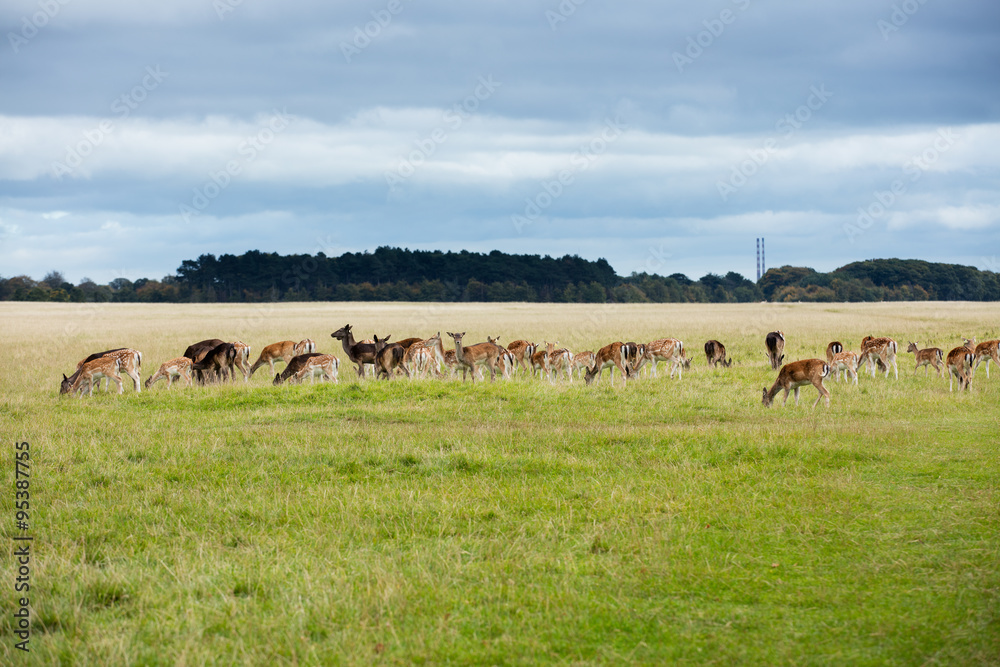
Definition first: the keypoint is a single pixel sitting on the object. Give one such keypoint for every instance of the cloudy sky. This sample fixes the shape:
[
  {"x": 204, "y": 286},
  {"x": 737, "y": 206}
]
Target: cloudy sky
[{"x": 662, "y": 135}]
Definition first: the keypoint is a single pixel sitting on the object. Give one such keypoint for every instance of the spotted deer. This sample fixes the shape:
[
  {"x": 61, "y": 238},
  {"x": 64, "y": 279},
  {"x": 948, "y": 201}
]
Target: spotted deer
[
  {"x": 881, "y": 351},
  {"x": 93, "y": 371},
  {"x": 242, "y": 360},
  {"x": 835, "y": 347},
  {"x": 669, "y": 350},
  {"x": 846, "y": 362},
  {"x": 130, "y": 362},
  {"x": 988, "y": 349},
  {"x": 540, "y": 360},
  {"x": 522, "y": 349},
  {"x": 174, "y": 369},
  {"x": 561, "y": 361},
  {"x": 929, "y": 356},
  {"x": 311, "y": 364},
  {"x": 425, "y": 356},
  {"x": 582, "y": 361},
  {"x": 797, "y": 374}
]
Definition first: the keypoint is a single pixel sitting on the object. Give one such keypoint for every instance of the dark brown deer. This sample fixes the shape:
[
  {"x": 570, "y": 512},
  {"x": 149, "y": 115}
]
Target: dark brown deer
[
  {"x": 218, "y": 363},
  {"x": 715, "y": 354},
  {"x": 358, "y": 353},
  {"x": 389, "y": 357},
  {"x": 775, "y": 344}
]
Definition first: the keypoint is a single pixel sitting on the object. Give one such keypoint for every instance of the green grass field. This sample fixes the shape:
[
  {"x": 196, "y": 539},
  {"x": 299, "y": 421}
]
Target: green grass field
[{"x": 666, "y": 522}]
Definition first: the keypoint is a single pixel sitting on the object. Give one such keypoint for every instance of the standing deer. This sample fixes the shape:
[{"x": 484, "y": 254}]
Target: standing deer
[
  {"x": 609, "y": 355},
  {"x": 835, "y": 347},
  {"x": 130, "y": 362},
  {"x": 881, "y": 352},
  {"x": 774, "y": 342},
  {"x": 481, "y": 354},
  {"x": 388, "y": 358},
  {"x": 959, "y": 363},
  {"x": 357, "y": 353},
  {"x": 797, "y": 374},
  {"x": 929, "y": 356},
  {"x": 172, "y": 370},
  {"x": 282, "y": 351},
  {"x": 92, "y": 371}
]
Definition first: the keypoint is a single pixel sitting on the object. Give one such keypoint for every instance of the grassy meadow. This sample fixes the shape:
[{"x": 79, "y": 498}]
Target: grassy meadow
[{"x": 665, "y": 522}]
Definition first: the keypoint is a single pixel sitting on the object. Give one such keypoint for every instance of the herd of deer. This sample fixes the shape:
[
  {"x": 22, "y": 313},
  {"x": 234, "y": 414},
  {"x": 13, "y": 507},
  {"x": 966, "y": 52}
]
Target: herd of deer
[{"x": 217, "y": 360}]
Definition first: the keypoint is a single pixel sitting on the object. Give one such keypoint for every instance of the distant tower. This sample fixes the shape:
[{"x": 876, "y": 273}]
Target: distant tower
[
  {"x": 763, "y": 263},
  {"x": 758, "y": 259}
]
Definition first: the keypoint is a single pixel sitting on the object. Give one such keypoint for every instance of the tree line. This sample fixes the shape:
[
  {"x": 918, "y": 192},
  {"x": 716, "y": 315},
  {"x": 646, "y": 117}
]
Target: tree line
[{"x": 394, "y": 274}]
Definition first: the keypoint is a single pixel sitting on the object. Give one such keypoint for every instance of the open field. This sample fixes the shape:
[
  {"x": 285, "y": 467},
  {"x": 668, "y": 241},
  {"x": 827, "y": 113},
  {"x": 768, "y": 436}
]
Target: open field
[{"x": 517, "y": 522}]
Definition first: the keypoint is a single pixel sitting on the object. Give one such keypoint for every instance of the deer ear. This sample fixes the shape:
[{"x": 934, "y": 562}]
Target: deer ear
[{"x": 64, "y": 377}]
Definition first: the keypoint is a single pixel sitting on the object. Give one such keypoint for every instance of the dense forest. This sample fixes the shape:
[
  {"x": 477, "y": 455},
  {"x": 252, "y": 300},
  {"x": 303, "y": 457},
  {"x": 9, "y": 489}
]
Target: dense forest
[{"x": 393, "y": 274}]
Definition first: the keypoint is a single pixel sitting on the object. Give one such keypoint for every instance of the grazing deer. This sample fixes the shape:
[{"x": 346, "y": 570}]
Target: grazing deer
[
  {"x": 632, "y": 353},
  {"x": 881, "y": 351},
  {"x": 987, "y": 350},
  {"x": 219, "y": 362},
  {"x": 243, "y": 358},
  {"x": 774, "y": 343},
  {"x": 481, "y": 354},
  {"x": 582, "y": 361},
  {"x": 172, "y": 370},
  {"x": 561, "y": 360},
  {"x": 93, "y": 371},
  {"x": 847, "y": 362},
  {"x": 312, "y": 364},
  {"x": 197, "y": 351},
  {"x": 540, "y": 359},
  {"x": 522, "y": 349},
  {"x": 835, "y": 347},
  {"x": 358, "y": 353},
  {"x": 609, "y": 355},
  {"x": 929, "y": 356},
  {"x": 130, "y": 362},
  {"x": 715, "y": 353},
  {"x": 669, "y": 350},
  {"x": 388, "y": 357},
  {"x": 959, "y": 363},
  {"x": 282, "y": 351},
  {"x": 797, "y": 374}
]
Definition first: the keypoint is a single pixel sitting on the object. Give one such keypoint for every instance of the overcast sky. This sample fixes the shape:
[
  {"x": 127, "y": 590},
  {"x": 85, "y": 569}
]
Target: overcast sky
[{"x": 662, "y": 135}]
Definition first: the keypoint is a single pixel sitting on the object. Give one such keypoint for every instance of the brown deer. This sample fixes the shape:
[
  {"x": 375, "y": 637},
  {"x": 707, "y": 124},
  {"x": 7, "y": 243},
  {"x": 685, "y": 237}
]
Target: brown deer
[
  {"x": 522, "y": 349},
  {"x": 774, "y": 343},
  {"x": 243, "y": 358},
  {"x": 632, "y": 353},
  {"x": 93, "y": 371},
  {"x": 959, "y": 362},
  {"x": 797, "y": 374},
  {"x": 929, "y": 356},
  {"x": 715, "y": 354},
  {"x": 172, "y": 370},
  {"x": 561, "y": 360},
  {"x": 582, "y": 361},
  {"x": 609, "y": 355},
  {"x": 197, "y": 351},
  {"x": 131, "y": 363},
  {"x": 481, "y": 354},
  {"x": 312, "y": 364},
  {"x": 282, "y": 351},
  {"x": 669, "y": 350},
  {"x": 540, "y": 359},
  {"x": 357, "y": 353},
  {"x": 388, "y": 357},
  {"x": 835, "y": 347},
  {"x": 423, "y": 356},
  {"x": 218, "y": 363}
]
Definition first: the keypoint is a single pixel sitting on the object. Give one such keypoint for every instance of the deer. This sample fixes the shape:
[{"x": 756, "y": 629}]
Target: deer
[
  {"x": 242, "y": 358},
  {"x": 423, "y": 356},
  {"x": 929, "y": 356},
  {"x": 219, "y": 362},
  {"x": 481, "y": 354},
  {"x": 312, "y": 364},
  {"x": 93, "y": 371},
  {"x": 540, "y": 359},
  {"x": 798, "y": 374},
  {"x": 774, "y": 343},
  {"x": 521, "y": 349},
  {"x": 715, "y": 354},
  {"x": 959, "y": 362},
  {"x": 282, "y": 351},
  {"x": 670, "y": 350},
  {"x": 130, "y": 362},
  {"x": 835, "y": 347},
  {"x": 197, "y": 351},
  {"x": 582, "y": 361},
  {"x": 561, "y": 360},
  {"x": 881, "y": 351},
  {"x": 987, "y": 350},
  {"x": 357, "y": 353},
  {"x": 505, "y": 360},
  {"x": 847, "y": 362},
  {"x": 632, "y": 353},
  {"x": 173, "y": 369},
  {"x": 388, "y": 357},
  {"x": 609, "y": 355}
]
